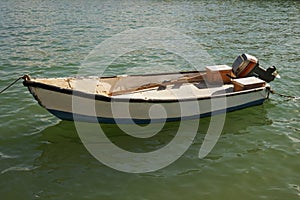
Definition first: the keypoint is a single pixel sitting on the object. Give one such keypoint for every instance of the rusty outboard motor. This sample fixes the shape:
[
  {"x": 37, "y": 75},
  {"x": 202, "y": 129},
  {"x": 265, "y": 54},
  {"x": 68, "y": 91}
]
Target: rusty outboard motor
[{"x": 246, "y": 65}]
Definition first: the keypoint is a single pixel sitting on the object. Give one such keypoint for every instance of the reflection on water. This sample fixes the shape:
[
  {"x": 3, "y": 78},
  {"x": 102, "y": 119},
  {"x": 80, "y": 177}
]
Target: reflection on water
[
  {"x": 239, "y": 121},
  {"x": 63, "y": 163},
  {"x": 61, "y": 141}
]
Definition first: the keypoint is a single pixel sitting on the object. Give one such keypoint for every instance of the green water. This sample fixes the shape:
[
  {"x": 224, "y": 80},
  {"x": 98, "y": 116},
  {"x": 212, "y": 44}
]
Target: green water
[{"x": 257, "y": 155}]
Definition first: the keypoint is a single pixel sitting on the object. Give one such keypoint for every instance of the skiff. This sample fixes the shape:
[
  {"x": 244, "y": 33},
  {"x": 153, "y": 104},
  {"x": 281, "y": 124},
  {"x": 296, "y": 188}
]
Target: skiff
[{"x": 155, "y": 97}]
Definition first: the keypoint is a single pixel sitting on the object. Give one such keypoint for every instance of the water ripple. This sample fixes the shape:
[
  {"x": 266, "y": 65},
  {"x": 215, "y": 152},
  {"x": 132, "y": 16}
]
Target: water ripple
[{"x": 18, "y": 168}]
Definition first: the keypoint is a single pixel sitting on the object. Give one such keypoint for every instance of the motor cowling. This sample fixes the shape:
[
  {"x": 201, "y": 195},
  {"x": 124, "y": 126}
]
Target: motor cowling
[{"x": 247, "y": 65}]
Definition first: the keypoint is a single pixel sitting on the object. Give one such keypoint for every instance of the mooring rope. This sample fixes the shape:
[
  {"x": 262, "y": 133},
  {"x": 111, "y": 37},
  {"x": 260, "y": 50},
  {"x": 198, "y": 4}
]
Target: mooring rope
[
  {"x": 283, "y": 95},
  {"x": 7, "y": 87}
]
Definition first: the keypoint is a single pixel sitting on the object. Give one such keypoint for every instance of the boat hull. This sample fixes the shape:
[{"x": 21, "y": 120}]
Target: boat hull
[{"x": 75, "y": 105}]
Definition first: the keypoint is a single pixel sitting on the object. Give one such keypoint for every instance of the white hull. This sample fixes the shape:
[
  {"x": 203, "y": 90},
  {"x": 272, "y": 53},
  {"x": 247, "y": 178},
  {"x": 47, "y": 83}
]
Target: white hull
[{"x": 169, "y": 104}]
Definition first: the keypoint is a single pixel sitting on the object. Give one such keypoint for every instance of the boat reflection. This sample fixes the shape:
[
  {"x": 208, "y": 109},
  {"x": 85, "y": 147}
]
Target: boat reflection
[{"x": 62, "y": 145}]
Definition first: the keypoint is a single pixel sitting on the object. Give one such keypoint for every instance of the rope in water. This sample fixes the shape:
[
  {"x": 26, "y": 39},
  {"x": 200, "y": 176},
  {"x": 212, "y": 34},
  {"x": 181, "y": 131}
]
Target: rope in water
[
  {"x": 7, "y": 87},
  {"x": 283, "y": 95}
]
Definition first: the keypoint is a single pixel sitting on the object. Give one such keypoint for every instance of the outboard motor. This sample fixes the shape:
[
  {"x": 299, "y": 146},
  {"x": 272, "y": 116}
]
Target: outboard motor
[{"x": 246, "y": 65}]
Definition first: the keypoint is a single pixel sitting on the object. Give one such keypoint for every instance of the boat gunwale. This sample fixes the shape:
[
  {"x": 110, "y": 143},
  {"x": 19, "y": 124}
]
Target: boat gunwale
[
  {"x": 29, "y": 83},
  {"x": 150, "y": 74}
]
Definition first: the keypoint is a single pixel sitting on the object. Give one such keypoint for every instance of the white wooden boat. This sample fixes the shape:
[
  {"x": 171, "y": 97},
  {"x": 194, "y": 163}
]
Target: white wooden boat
[{"x": 171, "y": 96}]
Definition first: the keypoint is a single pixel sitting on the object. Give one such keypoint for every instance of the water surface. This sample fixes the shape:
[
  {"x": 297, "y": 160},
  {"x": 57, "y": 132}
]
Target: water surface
[{"x": 41, "y": 157}]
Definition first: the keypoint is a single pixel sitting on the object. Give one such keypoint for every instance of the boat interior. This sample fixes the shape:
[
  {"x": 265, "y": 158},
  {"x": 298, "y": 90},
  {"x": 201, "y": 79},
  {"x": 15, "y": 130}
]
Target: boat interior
[
  {"x": 161, "y": 86},
  {"x": 244, "y": 74}
]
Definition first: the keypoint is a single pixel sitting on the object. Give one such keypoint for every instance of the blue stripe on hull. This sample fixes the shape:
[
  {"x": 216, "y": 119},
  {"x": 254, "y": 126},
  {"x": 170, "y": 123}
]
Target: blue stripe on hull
[{"x": 84, "y": 118}]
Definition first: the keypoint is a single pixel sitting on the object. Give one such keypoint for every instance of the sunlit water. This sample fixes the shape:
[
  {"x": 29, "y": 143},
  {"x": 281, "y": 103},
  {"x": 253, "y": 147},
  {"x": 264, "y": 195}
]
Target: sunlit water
[{"x": 41, "y": 157}]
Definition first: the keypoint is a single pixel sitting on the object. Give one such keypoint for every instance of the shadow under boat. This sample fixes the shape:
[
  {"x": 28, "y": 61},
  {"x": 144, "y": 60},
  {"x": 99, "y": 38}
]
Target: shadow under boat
[{"x": 65, "y": 132}]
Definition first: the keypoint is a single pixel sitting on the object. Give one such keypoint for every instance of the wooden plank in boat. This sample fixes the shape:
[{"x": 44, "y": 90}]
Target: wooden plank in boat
[
  {"x": 185, "y": 79},
  {"x": 247, "y": 83}
]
